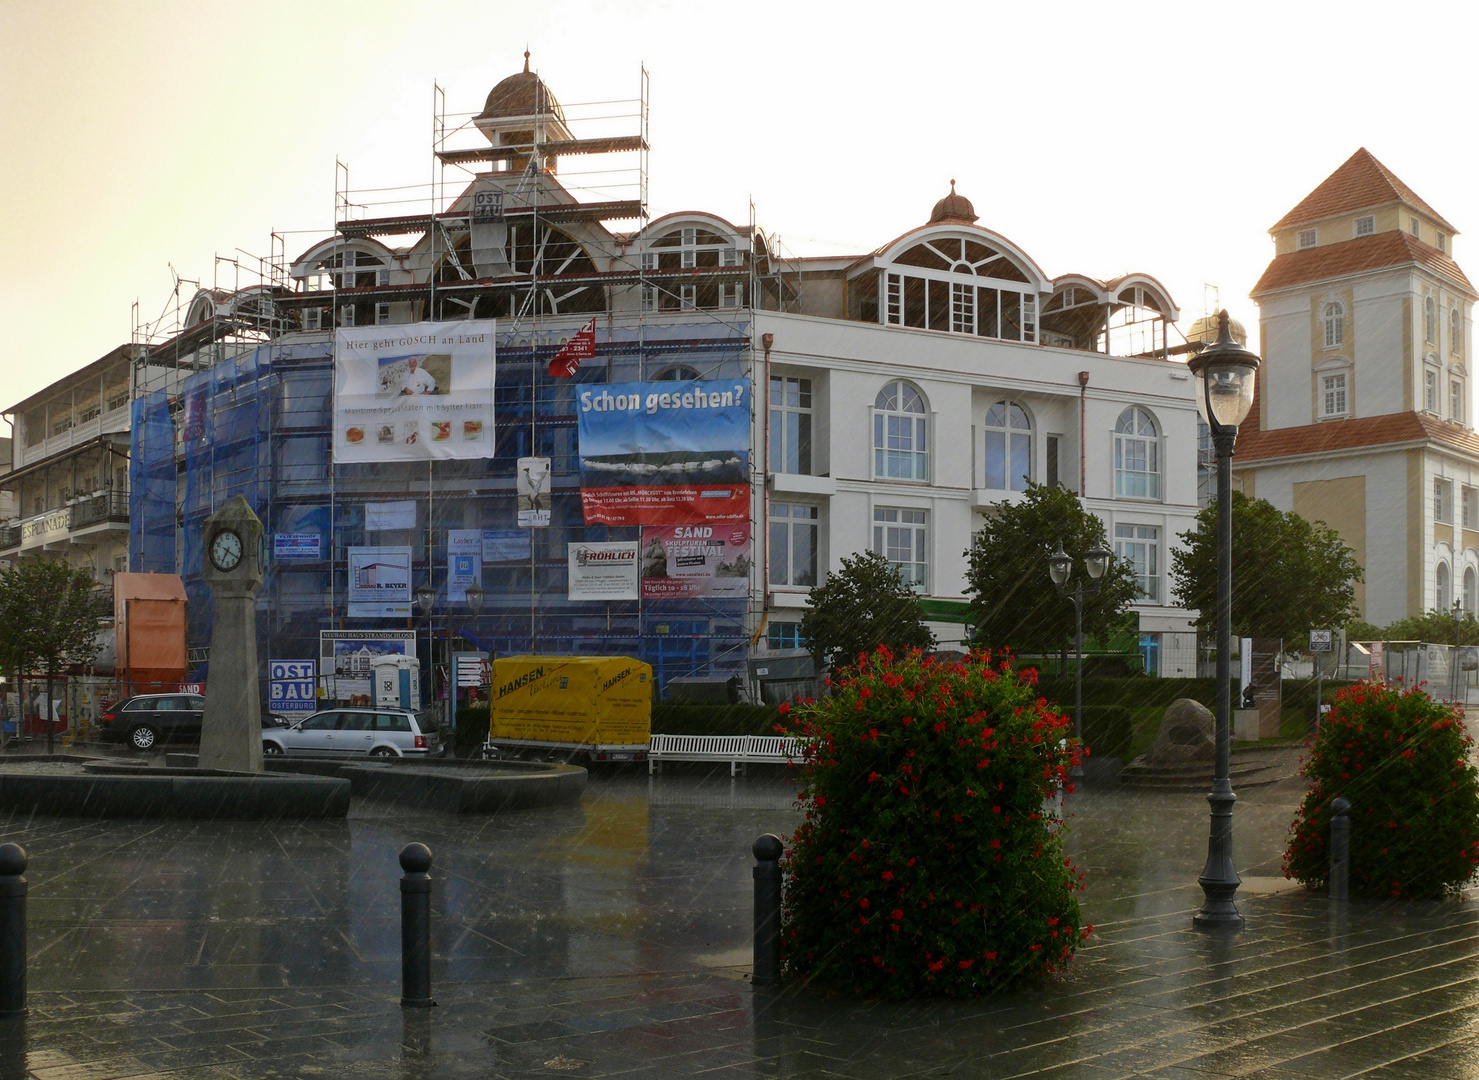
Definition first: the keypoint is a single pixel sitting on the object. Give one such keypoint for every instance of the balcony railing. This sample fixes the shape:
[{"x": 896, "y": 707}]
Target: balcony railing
[
  {"x": 109, "y": 506},
  {"x": 53, "y": 524}
]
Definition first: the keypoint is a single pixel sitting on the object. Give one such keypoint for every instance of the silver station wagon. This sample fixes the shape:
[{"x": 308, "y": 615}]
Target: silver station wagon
[{"x": 348, "y": 732}]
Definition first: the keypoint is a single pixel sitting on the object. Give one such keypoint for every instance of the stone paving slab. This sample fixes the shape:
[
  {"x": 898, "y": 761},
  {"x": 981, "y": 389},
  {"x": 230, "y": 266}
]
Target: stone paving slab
[{"x": 609, "y": 939}]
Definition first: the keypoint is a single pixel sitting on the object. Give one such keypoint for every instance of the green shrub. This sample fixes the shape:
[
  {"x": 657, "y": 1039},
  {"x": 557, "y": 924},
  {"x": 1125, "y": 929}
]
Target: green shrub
[
  {"x": 1108, "y": 730},
  {"x": 1299, "y": 694},
  {"x": 702, "y": 718},
  {"x": 925, "y": 864},
  {"x": 1138, "y": 691},
  {"x": 1402, "y": 759}
]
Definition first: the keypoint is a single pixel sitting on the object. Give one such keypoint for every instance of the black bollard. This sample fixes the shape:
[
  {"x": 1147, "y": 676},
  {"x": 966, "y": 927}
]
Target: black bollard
[
  {"x": 13, "y": 862},
  {"x": 768, "y": 850},
  {"x": 1340, "y": 849},
  {"x": 416, "y": 927}
]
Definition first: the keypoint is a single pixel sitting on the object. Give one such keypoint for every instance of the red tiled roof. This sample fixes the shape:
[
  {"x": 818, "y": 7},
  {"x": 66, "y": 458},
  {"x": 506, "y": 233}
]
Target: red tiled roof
[
  {"x": 1391, "y": 248},
  {"x": 1362, "y": 183},
  {"x": 1367, "y": 431}
]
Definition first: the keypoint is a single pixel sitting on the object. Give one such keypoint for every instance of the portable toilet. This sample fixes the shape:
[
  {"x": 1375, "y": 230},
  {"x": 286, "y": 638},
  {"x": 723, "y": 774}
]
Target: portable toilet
[{"x": 397, "y": 682}]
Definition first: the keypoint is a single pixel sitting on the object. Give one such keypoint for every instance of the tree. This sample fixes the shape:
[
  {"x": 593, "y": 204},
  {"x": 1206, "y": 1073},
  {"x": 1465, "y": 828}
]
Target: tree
[
  {"x": 863, "y": 605},
  {"x": 1013, "y": 601},
  {"x": 47, "y": 621},
  {"x": 1289, "y": 575}
]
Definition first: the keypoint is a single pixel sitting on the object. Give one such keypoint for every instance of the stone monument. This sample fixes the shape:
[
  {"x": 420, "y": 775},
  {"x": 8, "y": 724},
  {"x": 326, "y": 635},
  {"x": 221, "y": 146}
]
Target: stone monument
[
  {"x": 1188, "y": 735},
  {"x": 231, "y": 729}
]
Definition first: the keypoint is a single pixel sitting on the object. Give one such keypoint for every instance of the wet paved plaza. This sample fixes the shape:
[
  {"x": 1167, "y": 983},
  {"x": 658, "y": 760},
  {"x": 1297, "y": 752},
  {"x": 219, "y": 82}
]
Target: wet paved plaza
[{"x": 612, "y": 939}]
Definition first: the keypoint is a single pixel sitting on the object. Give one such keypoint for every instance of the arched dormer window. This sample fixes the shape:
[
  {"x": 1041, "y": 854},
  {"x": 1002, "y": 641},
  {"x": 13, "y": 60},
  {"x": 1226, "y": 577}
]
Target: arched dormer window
[
  {"x": 700, "y": 244},
  {"x": 1008, "y": 456},
  {"x": 1334, "y": 326},
  {"x": 1455, "y": 332},
  {"x": 677, "y": 373},
  {"x": 1430, "y": 321},
  {"x": 900, "y": 434},
  {"x": 955, "y": 284},
  {"x": 1137, "y": 455}
]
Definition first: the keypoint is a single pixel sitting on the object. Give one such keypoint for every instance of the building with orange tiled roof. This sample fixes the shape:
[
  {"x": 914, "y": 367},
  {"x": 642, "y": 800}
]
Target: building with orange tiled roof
[{"x": 1363, "y": 415}]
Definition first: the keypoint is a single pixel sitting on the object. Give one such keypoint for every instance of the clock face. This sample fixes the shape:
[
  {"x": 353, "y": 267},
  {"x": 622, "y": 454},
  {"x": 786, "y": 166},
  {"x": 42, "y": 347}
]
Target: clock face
[{"x": 226, "y": 550}]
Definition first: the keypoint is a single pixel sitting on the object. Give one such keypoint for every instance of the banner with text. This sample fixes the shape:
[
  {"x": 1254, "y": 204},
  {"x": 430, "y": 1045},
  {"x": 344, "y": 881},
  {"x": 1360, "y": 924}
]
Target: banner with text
[
  {"x": 292, "y": 686},
  {"x": 603, "y": 571},
  {"x": 464, "y": 562},
  {"x": 346, "y": 659},
  {"x": 413, "y": 392},
  {"x": 683, "y": 561},
  {"x": 665, "y": 452}
]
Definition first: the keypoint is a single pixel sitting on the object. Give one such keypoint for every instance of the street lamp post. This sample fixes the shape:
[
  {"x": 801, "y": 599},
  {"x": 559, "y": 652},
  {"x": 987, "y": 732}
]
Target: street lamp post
[
  {"x": 1225, "y": 373},
  {"x": 426, "y": 596},
  {"x": 1060, "y": 565}
]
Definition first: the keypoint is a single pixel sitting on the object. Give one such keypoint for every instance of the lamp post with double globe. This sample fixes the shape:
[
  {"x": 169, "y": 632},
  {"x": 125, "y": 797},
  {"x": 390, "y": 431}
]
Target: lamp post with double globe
[
  {"x": 1225, "y": 374},
  {"x": 1060, "y": 565}
]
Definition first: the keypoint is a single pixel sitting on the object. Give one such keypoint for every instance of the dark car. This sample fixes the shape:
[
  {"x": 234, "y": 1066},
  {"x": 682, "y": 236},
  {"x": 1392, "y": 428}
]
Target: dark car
[
  {"x": 144, "y": 721},
  {"x": 149, "y": 719}
]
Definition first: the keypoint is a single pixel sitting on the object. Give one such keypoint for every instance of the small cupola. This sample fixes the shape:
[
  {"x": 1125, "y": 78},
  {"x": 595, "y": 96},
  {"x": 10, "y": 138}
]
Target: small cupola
[{"x": 953, "y": 207}]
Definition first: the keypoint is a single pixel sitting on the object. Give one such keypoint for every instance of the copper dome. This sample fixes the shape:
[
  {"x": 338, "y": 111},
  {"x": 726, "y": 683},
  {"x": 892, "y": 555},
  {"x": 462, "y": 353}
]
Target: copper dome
[
  {"x": 523, "y": 94},
  {"x": 952, "y": 207}
]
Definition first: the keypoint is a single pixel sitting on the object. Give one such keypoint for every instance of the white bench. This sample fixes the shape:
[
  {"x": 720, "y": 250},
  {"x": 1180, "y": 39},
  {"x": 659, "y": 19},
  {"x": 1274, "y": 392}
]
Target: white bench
[{"x": 738, "y": 750}]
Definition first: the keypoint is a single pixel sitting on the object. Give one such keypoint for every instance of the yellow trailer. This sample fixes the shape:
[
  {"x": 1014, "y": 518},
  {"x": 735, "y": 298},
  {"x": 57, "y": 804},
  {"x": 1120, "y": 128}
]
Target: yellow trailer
[{"x": 595, "y": 706}]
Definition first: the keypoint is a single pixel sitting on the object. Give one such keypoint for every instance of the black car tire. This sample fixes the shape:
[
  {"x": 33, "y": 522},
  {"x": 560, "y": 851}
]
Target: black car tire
[
  {"x": 382, "y": 752},
  {"x": 143, "y": 737},
  {"x": 271, "y": 749}
]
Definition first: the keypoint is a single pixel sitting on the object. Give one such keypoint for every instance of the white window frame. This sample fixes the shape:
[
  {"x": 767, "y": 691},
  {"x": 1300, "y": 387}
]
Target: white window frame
[
  {"x": 1365, "y": 226},
  {"x": 1469, "y": 507},
  {"x": 784, "y": 524},
  {"x": 731, "y": 296},
  {"x": 911, "y": 446},
  {"x": 688, "y": 297},
  {"x": 1456, "y": 399},
  {"x": 1455, "y": 332},
  {"x": 1430, "y": 320},
  {"x": 1443, "y": 243},
  {"x": 791, "y": 403},
  {"x": 1010, "y": 437},
  {"x": 1308, "y": 238},
  {"x": 1470, "y": 589},
  {"x": 1432, "y": 389},
  {"x": 1442, "y": 500},
  {"x": 382, "y": 314},
  {"x": 1334, "y": 325},
  {"x": 1335, "y": 400},
  {"x": 900, "y": 530},
  {"x": 1414, "y": 227},
  {"x": 313, "y": 319},
  {"x": 1140, "y": 546},
  {"x": 1125, "y": 443},
  {"x": 1443, "y": 586}
]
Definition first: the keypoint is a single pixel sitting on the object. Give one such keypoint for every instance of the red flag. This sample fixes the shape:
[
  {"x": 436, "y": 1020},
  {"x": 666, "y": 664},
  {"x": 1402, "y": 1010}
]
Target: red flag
[{"x": 581, "y": 346}]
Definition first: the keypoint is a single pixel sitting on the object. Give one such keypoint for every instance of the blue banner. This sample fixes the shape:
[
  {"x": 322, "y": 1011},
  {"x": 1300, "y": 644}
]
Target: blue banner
[{"x": 665, "y": 452}]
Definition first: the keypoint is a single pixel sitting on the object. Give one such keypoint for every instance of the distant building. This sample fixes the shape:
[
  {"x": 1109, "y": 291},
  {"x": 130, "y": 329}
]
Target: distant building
[{"x": 1363, "y": 415}]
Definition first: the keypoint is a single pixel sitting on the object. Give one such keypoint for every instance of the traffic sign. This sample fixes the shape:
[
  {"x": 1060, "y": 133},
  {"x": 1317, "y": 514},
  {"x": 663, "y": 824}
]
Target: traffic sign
[{"x": 1320, "y": 640}]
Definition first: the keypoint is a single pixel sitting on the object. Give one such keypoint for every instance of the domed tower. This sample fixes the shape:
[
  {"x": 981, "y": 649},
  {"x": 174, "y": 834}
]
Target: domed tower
[{"x": 521, "y": 112}]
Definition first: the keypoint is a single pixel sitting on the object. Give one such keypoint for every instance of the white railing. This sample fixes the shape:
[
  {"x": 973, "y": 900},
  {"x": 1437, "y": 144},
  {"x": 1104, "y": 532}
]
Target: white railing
[{"x": 738, "y": 750}]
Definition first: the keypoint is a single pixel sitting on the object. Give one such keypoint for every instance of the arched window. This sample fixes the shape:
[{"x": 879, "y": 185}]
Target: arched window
[
  {"x": 1471, "y": 590},
  {"x": 1455, "y": 332},
  {"x": 1008, "y": 447},
  {"x": 1443, "y": 588},
  {"x": 677, "y": 373},
  {"x": 900, "y": 430},
  {"x": 1137, "y": 455},
  {"x": 1334, "y": 326},
  {"x": 1430, "y": 321}
]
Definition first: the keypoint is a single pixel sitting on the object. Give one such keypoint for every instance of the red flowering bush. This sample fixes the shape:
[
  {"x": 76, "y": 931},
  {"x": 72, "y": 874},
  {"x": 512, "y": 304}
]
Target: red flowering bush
[
  {"x": 926, "y": 863},
  {"x": 1402, "y": 759}
]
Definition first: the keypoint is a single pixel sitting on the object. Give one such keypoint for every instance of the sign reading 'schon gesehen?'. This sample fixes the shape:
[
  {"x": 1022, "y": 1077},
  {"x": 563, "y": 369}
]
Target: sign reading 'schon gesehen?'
[
  {"x": 665, "y": 453},
  {"x": 682, "y": 561},
  {"x": 379, "y": 582},
  {"x": 413, "y": 391},
  {"x": 606, "y": 571}
]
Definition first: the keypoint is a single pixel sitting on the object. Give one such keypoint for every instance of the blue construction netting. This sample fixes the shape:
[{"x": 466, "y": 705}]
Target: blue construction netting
[{"x": 259, "y": 426}]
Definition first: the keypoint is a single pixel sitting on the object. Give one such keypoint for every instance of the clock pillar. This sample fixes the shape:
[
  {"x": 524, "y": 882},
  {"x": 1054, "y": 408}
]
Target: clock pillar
[{"x": 231, "y": 729}]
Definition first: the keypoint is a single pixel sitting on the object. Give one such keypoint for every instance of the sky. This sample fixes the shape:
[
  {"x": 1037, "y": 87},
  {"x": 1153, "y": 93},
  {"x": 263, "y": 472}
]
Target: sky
[{"x": 143, "y": 140}]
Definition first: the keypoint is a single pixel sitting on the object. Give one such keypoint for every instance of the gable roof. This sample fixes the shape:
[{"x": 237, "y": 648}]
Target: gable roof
[
  {"x": 1391, "y": 248},
  {"x": 1360, "y": 433},
  {"x": 1359, "y": 184}
]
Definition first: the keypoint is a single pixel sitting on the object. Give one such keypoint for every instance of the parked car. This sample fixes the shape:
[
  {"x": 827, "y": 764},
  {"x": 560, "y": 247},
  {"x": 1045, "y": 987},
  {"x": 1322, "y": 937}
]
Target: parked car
[
  {"x": 147, "y": 720},
  {"x": 342, "y": 732}
]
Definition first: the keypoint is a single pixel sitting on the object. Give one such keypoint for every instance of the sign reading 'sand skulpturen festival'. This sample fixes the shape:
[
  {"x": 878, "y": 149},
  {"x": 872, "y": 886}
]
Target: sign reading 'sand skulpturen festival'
[
  {"x": 665, "y": 452},
  {"x": 413, "y": 392}
]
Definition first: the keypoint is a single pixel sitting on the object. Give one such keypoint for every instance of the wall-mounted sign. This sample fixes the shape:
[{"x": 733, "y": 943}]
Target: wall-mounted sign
[
  {"x": 533, "y": 488},
  {"x": 292, "y": 686},
  {"x": 603, "y": 571},
  {"x": 288, "y": 546},
  {"x": 685, "y": 561},
  {"x": 379, "y": 582},
  {"x": 346, "y": 659},
  {"x": 464, "y": 562},
  {"x": 390, "y": 515}
]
